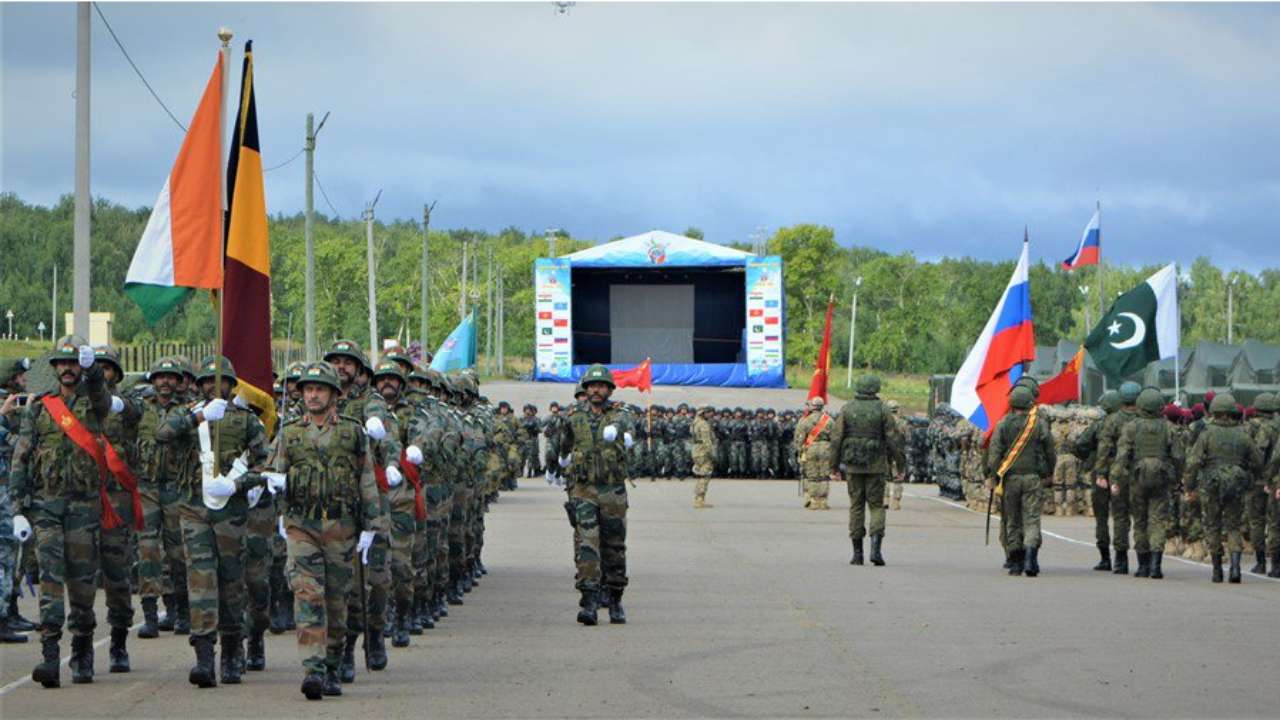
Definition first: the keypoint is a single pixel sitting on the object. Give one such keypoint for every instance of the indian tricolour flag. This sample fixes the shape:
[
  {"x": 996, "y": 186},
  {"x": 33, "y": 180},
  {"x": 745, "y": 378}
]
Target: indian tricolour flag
[{"x": 181, "y": 247}]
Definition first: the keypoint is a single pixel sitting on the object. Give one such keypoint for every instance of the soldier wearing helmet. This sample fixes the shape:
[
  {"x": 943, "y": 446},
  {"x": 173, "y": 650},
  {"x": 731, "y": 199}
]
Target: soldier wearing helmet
[
  {"x": 1108, "y": 440},
  {"x": 1148, "y": 461},
  {"x": 530, "y": 427},
  {"x": 812, "y": 444},
  {"x": 704, "y": 456},
  {"x": 1021, "y": 457},
  {"x": 1262, "y": 428},
  {"x": 893, "y": 492},
  {"x": 1221, "y": 467},
  {"x": 1268, "y": 406},
  {"x": 867, "y": 450}
]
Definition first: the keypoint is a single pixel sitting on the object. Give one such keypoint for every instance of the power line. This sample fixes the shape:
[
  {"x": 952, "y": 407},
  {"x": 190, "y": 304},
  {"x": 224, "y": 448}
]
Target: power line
[
  {"x": 135, "y": 68},
  {"x": 323, "y": 194},
  {"x": 286, "y": 162}
]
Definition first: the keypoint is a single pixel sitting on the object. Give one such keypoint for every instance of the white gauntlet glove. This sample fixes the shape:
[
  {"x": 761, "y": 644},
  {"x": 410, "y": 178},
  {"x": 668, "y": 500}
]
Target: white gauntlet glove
[
  {"x": 21, "y": 528},
  {"x": 214, "y": 410},
  {"x": 394, "y": 478},
  {"x": 240, "y": 402},
  {"x": 255, "y": 494},
  {"x": 627, "y": 440},
  {"x": 363, "y": 544},
  {"x": 566, "y": 460},
  {"x": 86, "y": 357},
  {"x": 610, "y": 433},
  {"x": 375, "y": 428},
  {"x": 280, "y": 525},
  {"x": 275, "y": 481},
  {"x": 117, "y": 405},
  {"x": 413, "y": 454},
  {"x": 221, "y": 486}
]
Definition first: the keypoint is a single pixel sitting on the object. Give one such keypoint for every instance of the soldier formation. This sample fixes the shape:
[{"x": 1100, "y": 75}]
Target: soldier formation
[{"x": 362, "y": 517}]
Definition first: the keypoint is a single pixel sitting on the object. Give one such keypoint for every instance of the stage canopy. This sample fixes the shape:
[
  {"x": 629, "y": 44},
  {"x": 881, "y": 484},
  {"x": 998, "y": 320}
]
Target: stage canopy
[{"x": 704, "y": 314}]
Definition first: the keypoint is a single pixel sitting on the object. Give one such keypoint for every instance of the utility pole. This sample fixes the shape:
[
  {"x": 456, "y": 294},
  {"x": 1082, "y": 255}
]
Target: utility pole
[
  {"x": 53, "y": 319},
  {"x": 81, "y": 255},
  {"x": 488, "y": 329},
  {"x": 426, "y": 280},
  {"x": 853, "y": 330},
  {"x": 502, "y": 325},
  {"x": 373, "y": 294},
  {"x": 1231, "y": 284},
  {"x": 312, "y": 350},
  {"x": 462, "y": 284}
]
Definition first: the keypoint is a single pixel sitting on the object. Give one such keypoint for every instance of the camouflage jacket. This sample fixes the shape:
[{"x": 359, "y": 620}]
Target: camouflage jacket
[
  {"x": 1037, "y": 456},
  {"x": 866, "y": 438},
  {"x": 329, "y": 474},
  {"x": 815, "y": 457},
  {"x": 238, "y": 432},
  {"x": 529, "y": 429},
  {"x": 166, "y": 462},
  {"x": 362, "y": 403},
  {"x": 434, "y": 429},
  {"x": 1225, "y": 458},
  {"x": 121, "y": 430},
  {"x": 1109, "y": 437},
  {"x": 46, "y": 463},
  {"x": 596, "y": 462},
  {"x": 704, "y": 437},
  {"x": 506, "y": 429},
  {"x": 1149, "y": 447}
]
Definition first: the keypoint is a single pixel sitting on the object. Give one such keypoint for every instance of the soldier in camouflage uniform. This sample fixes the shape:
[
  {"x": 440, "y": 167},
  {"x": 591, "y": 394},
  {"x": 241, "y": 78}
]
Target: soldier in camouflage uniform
[
  {"x": 812, "y": 443},
  {"x": 789, "y": 460},
  {"x": 435, "y": 430},
  {"x": 281, "y": 595},
  {"x": 1271, "y": 483},
  {"x": 325, "y": 476},
  {"x": 55, "y": 488},
  {"x": 213, "y": 539},
  {"x": 917, "y": 439},
  {"x": 1021, "y": 456},
  {"x": 506, "y": 439},
  {"x": 530, "y": 428},
  {"x": 1222, "y": 467},
  {"x": 893, "y": 491},
  {"x": 1191, "y": 519},
  {"x": 973, "y": 458},
  {"x": 553, "y": 428},
  {"x": 704, "y": 456},
  {"x": 1149, "y": 461},
  {"x": 1262, "y": 429},
  {"x": 1108, "y": 441},
  {"x": 945, "y": 435},
  {"x": 738, "y": 433},
  {"x": 468, "y": 491},
  {"x": 401, "y": 497},
  {"x": 867, "y": 449},
  {"x": 1066, "y": 430},
  {"x": 12, "y": 389}
]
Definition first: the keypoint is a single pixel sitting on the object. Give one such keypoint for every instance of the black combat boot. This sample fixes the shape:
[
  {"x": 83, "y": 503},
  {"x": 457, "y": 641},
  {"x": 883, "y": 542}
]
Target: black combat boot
[
  {"x": 416, "y": 611},
  {"x": 1260, "y": 567},
  {"x": 377, "y": 651},
  {"x": 857, "y": 552},
  {"x": 1217, "y": 567},
  {"x": 467, "y": 581},
  {"x": 400, "y": 631},
  {"x": 332, "y": 686},
  {"x": 150, "y": 622},
  {"x": 455, "y": 593},
  {"x": 231, "y": 649},
  {"x": 589, "y": 605},
  {"x": 203, "y": 674},
  {"x": 442, "y": 607},
  {"x": 118, "y": 654},
  {"x": 613, "y": 601},
  {"x": 170, "y": 613},
  {"x": 876, "y": 558},
  {"x": 1144, "y": 568},
  {"x": 81, "y": 659},
  {"x": 17, "y": 623},
  {"x": 1234, "y": 575},
  {"x": 1156, "y": 557},
  {"x": 1121, "y": 563},
  {"x": 347, "y": 669},
  {"x": 1105, "y": 563},
  {"x": 47, "y": 672},
  {"x": 289, "y": 624},
  {"x": 313, "y": 686},
  {"x": 485, "y": 571},
  {"x": 1008, "y": 561},
  {"x": 426, "y": 613},
  {"x": 1032, "y": 565},
  {"x": 1275, "y": 565},
  {"x": 182, "y": 621},
  {"x": 257, "y": 660},
  {"x": 10, "y": 636},
  {"x": 1015, "y": 562},
  {"x": 278, "y": 619}
]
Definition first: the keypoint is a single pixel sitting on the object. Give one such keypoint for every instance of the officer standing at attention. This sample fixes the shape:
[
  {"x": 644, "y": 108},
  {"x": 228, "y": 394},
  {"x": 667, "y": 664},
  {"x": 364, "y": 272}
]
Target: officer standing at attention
[
  {"x": 865, "y": 442},
  {"x": 1021, "y": 457},
  {"x": 704, "y": 456}
]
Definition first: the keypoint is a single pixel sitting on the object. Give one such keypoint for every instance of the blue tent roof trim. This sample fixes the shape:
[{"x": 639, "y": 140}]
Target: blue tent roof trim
[{"x": 656, "y": 249}]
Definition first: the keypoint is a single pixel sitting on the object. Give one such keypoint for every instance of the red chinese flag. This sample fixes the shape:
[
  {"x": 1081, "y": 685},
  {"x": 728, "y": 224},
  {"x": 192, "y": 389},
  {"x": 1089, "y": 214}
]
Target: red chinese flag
[
  {"x": 822, "y": 368},
  {"x": 1065, "y": 386},
  {"x": 639, "y": 377}
]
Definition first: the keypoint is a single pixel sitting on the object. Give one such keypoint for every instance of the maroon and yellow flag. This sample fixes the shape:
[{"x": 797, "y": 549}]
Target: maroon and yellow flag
[{"x": 246, "y": 290}]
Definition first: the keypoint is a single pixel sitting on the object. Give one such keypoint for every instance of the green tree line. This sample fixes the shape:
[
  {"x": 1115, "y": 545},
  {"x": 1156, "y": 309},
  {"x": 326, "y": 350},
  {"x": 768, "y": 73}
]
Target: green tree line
[{"x": 913, "y": 316}]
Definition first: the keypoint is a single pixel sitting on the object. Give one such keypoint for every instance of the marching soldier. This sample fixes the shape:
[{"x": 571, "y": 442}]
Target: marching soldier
[
  {"x": 1108, "y": 440},
  {"x": 57, "y": 489},
  {"x": 1148, "y": 462},
  {"x": 893, "y": 498},
  {"x": 1100, "y": 495},
  {"x": 866, "y": 442},
  {"x": 812, "y": 441},
  {"x": 1262, "y": 429},
  {"x": 704, "y": 456},
  {"x": 530, "y": 428},
  {"x": 13, "y": 381},
  {"x": 1022, "y": 459}
]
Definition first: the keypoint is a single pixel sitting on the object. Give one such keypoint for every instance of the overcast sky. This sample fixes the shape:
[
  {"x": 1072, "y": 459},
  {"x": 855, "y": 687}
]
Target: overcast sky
[{"x": 940, "y": 129}]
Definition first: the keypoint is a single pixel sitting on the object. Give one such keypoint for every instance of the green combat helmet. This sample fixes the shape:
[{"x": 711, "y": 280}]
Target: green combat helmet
[
  {"x": 1266, "y": 403},
  {"x": 295, "y": 370},
  {"x": 1151, "y": 402},
  {"x": 320, "y": 373},
  {"x": 345, "y": 348},
  {"x": 209, "y": 368},
  {"x": 1110, "y": 401},
  {"x": 389, "y": 368},
  {"x": 11, "y": 369},
  {"x": 67, "y": 348},
  {"x": 1031, "y": 384},
  {"x": 1129, "y": 391},
  {"x": 1021, "y": 398},
  {"x": 868, "y": 385},
  {"x": 597, "y": 373},
  {"x": 104, "y": 354},
  {"x": 1224, "y": 404},
  {"x": 166, "y": 366}
]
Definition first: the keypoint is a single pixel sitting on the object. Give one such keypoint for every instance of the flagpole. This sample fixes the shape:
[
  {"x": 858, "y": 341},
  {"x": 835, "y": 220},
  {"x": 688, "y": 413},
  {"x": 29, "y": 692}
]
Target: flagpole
[
  {"x": 1177, "y": 349},
  {"x": 224, "y": 35}
]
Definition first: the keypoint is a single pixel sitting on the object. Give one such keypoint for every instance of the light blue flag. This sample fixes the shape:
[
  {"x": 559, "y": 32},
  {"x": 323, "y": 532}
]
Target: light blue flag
[{"x": 458, "y": 351}]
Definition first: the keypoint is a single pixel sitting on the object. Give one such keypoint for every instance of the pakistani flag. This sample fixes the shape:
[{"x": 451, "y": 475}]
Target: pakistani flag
[{"x": 1141, "y": 327}]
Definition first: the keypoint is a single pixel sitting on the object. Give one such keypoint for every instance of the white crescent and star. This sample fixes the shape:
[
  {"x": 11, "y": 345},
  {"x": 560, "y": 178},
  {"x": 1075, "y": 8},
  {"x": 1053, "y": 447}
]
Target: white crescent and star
[{"x": 1134, "y": 340}]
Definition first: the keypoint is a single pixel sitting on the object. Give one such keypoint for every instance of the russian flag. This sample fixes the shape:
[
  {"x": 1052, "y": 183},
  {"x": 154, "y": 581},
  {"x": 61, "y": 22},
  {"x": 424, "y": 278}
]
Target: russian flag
[
  {"x": 1090, "y": 243},
  {"x": 981, "y": 389}
]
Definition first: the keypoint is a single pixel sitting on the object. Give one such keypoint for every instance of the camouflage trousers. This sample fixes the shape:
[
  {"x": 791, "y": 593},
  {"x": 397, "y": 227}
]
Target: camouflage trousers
[
  {"x": 817, "y": 487},
  {"x": 529, "y": 459},
  {"x": 377, "y": 580},
  {"x": 600, "y": 512},
  {"x": 893, "y": 490},
  {"x": 115, "y": 556},
  {"x": 459, "y": 522},
  {"x": 639, "y": 459},
  {"x": 700, "y": 487},
  {"x": 660, "y": 457},
  {"x": 405, "y": 534},
  {"x": 10, "y": 550},
  {"x": 66, "y": 536},
  {"x": 681, "y": 458},
  {"x": 866, "y": 497},
  {"x": 1222, "y": 516},
  {"x": 1022, "y": 502},
  {"x": 1191, "y": 521},
  {"x": 1150, "y": 510},
  {"x": 1273, "y": 522},
  {"x": 1120, "y": 516},
  {"x": 704, "y": 461},
  {"x": 1255, "y": 510},
  {"x": 260, "y": 533},
  {"x": 1101, "y": 499},
  {"x": 1066, "y": 475},
  {"x": 433, "y": 567},
  {"x": 322, "y": 556},
  {"x": 759, "y": 458},
  {"x": 214, "y": 545},
  {"x": 161, "y": 562},
  {"x": 737, "y": 458}
]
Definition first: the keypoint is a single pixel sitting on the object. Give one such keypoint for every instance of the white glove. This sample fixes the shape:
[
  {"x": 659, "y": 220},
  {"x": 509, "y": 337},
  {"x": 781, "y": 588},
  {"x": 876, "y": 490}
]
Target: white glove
[
  {"x": 117, "y": 405},
  {"x": 255, "y": 494},
  {"x": 363, "y": 544},
  {"x": 375, "y": 428},
  {"x": 566, "y": 460},
  {"x": 21, "y": 528},
  {"x": 627, "y": 440},
  {"x": 394, "y": 478},
  {"x": 214, "y": 410},
  {"x": 275, "y": 481},
  {"x": 280, "y": 526},
  {"x": 610, "y": 433},
  {"x": 87, "y": 357},
  {"x": 550, "y": 476},
  {"x": 240, "y": 402},
  {"x": 220, "y": 486},
  {"x": 413, "y": 454}
]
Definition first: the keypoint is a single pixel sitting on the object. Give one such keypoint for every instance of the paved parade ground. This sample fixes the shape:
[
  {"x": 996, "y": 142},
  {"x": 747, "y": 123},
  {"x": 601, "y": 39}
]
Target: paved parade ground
[{"x": 750, "y": 609}]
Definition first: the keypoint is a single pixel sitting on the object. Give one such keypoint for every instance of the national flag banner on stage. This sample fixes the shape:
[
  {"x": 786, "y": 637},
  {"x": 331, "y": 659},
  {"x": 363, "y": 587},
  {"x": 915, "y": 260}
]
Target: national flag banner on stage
[
  {"x": 246, "y": 293},
  {"x": 639, "y": 377},
  {"x": 822, "y": 366},
  {"x": 458, "y": 351},
  {"x": 181, "y": 246},
  {"x": 1089, "y": 247},
  {"x": 1142, "y": 326},
  {"x": 1065, "y": 386},
  {"x": 981, "y": 388}
]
